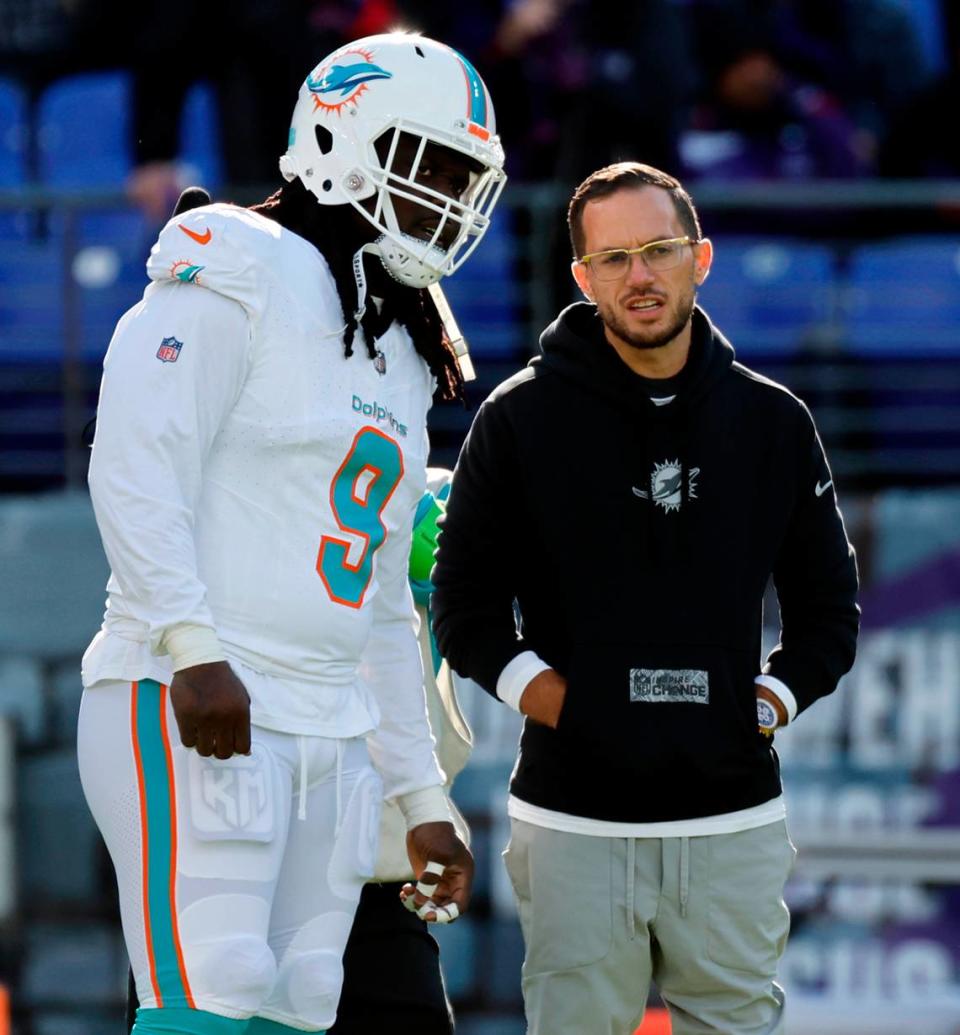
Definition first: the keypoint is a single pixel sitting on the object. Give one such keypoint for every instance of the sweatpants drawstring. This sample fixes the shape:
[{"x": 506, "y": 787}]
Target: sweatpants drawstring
[
  {"x": 336, "y": 832},
  {"x": 631, "y": 881},
  {"x": 684, "y": 874},
  {"x": 302, "y": 808}
]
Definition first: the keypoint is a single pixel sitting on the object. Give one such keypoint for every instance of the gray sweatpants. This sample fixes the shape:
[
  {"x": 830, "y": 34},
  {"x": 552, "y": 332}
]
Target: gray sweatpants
[{"x": 703, "y": 917}]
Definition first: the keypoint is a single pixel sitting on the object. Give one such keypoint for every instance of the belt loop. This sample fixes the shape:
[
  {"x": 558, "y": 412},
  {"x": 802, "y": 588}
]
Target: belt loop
[
  {"x": 684, "y": 874},
  {"x": 631, "y": 881}
]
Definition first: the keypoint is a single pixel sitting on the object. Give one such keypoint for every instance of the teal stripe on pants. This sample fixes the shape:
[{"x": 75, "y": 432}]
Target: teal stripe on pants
[{"x": 157, "y": 781}]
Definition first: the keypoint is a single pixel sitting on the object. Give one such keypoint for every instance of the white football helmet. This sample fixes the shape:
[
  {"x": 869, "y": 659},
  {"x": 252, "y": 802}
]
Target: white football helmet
[{"x": 398, "y": 83}]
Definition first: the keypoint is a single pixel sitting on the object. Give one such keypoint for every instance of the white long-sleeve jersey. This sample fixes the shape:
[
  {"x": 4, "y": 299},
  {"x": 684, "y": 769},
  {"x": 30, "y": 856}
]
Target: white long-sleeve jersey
[{"x": 250, "y": 480}]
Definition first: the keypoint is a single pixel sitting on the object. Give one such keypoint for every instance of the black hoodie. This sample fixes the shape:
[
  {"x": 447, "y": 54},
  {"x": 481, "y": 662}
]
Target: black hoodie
[{"x": 637, "y": 541}]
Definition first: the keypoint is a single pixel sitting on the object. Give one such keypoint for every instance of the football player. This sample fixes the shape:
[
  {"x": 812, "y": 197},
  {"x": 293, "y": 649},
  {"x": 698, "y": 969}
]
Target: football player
[{"x": 256, "y": 689}]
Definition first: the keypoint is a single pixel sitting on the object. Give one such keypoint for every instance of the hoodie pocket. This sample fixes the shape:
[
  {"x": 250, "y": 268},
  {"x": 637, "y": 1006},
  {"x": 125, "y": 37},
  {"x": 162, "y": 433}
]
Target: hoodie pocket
[{"x": 680, "y": 718}]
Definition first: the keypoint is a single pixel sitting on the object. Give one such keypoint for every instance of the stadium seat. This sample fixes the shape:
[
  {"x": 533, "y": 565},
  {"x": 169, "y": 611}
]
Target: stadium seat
[
  {"x": 928, "y": 20},
  {"x": 903, "y": 298},
  {"x": 54, "y": 574},
  {"x": 107, "y": 270},
  {"x": 31, "y": 316},
  {"x": 200, "y": 136},
  {"x": 58, "y": 843},
  {"x": 22, "y": 697},
  {"x": 769, "y": 295},
  {"x": 485, "y": 294},
  {"x": 13, "y": 117},
  {"x": 107, "y": 278},
  {"x": 84, "y": 131}
]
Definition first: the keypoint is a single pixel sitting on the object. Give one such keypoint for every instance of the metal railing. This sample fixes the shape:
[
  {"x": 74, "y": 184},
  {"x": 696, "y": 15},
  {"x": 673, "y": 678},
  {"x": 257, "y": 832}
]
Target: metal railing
[{"x": 886, "y": 421}]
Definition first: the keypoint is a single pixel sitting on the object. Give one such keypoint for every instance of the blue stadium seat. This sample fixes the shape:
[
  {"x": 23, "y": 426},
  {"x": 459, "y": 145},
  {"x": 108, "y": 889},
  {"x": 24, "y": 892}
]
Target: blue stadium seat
[
  {"x": 58, "y": 843},
  {"x": 107, "y": 279},
  {"x": 485, "y": 294},
  {"x": 903, "y": 298},
  {"x": 769, "y": 295},
  {"x": 31, "y": 314},
  {"x": 200, "y": 135},
  {"x": 15, "y": 227},
  {"x": 22, "y": 697},
  {"x": 13, "y": 118},
  {"x": 108, "y": 272},
  {"x": 54, "y": 573},
  {"x": 928, "y": 21},
  {"x": 84, "y": 131}
]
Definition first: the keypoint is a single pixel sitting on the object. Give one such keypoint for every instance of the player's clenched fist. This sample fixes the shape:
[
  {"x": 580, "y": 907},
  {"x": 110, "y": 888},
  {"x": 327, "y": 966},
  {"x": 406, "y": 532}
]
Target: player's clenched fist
[{"x": 212, "y": 708}]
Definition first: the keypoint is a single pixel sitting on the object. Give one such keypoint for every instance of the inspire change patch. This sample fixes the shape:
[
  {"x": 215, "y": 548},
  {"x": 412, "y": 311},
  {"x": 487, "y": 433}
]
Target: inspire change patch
[{"x": 669, "y": 685}]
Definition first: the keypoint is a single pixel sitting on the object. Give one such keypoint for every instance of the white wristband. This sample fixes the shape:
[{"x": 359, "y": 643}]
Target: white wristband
[
  {"x": 516, "y": 676},
  {"x": 428, "y": 805},
  {"x": 190, "y": 645}
]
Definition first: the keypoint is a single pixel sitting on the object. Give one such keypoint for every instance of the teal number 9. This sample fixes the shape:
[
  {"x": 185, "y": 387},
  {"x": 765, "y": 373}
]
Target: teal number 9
[{"x": 361, "y": 488}]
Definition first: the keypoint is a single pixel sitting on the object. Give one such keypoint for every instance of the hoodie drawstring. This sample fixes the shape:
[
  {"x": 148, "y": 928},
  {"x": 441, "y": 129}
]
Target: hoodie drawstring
[
  {"x": 684, "y": 874},
  {"x": 631, "y": 880}
]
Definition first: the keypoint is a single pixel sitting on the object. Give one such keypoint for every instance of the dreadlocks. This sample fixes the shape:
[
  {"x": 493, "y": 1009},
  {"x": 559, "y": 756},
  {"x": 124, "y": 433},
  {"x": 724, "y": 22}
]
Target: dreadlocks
[{"x": 332, "y": 230}]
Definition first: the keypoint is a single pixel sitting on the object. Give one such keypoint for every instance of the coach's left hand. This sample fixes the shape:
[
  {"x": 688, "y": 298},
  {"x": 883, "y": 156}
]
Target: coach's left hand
[{"x": 445, "y": 895}]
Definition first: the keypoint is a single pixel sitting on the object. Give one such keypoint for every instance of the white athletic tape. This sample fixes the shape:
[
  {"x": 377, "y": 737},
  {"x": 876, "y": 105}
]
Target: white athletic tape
[
  {"x": 443, "y": 914},
  {"x": 426, "y": 889},
  {"x": 448, "y": 913},
  {"x": 408, "y": 903},
  {"x": 427, "y": 907},
  {"x": 436, "y": 868}
]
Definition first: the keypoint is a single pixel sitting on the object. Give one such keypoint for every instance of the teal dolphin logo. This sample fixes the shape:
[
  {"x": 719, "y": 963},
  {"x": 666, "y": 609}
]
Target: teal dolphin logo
[
  {"x": 343, "y": 84},
  {"x": 185, "y": 271},
  {"x": 346, "y": 78}
]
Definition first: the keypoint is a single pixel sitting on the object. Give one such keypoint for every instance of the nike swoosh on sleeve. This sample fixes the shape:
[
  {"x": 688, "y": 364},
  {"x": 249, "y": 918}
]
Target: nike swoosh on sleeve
[
  {"x": 821, "y": 489},
  {"x": 203, "y": 238}
]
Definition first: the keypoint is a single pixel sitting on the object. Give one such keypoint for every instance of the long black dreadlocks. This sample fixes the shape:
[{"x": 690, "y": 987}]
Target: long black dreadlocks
[{"x": 332, "y": 229}]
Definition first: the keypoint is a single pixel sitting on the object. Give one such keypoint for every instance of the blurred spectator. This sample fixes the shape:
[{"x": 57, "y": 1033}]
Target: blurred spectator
[
  {"x": 866, "y": 53},
  {"x": 586, "y": 82},
  {"x": 638, "y": 81},
  {"x": 757, "y": 121}
]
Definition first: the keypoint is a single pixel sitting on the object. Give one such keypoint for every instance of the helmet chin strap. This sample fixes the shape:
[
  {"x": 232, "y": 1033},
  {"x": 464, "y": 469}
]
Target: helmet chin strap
[
  {"x": 436, "y": 293},
  {"x": 360, "y": 276},
  {"x": 400, "y": 263}
]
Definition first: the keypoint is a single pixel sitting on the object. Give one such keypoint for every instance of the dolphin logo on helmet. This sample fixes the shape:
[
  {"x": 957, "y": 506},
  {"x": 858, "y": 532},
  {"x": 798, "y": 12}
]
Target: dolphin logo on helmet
[{"x": 346, "y": 78}]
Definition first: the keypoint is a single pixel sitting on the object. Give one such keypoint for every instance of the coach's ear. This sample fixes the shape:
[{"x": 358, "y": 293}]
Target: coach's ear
[
  {"x": 703, "y": 260},
  {"x": 191, "y": 197},
  {"x": 579, "y": 272}
]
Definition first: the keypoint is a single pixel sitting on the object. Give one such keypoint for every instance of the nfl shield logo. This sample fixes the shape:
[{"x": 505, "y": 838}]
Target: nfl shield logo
[
  {"x": 380, "y": 363},
  {"x": 169, "y": 350}
]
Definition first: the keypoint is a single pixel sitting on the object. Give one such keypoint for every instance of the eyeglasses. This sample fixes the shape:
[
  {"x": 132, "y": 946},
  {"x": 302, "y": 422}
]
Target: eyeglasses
[{"x": 656, "y": 256}]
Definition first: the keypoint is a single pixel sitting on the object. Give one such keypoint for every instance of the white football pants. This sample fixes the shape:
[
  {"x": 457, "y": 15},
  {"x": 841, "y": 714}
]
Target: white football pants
[{"x": 238, "y": 879}]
